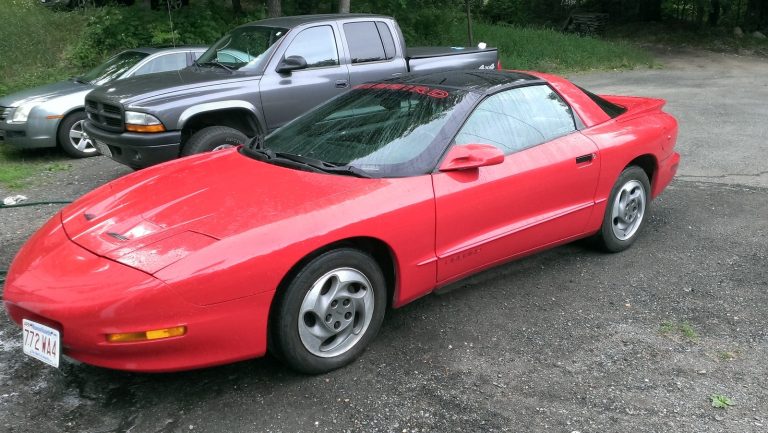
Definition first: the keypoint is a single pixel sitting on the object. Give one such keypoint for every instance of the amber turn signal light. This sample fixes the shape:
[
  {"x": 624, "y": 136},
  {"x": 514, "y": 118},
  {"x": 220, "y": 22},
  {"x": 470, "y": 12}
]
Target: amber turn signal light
[
  {"x": 155, "y": 334},
  {"x": 144, "y": 128}
]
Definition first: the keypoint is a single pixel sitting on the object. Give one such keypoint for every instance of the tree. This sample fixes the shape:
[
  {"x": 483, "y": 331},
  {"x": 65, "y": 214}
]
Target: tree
[
  {"x": 649, "y": 10},
  {"x": 274, "y": 8},
  {"x": 344, "y": 6}
]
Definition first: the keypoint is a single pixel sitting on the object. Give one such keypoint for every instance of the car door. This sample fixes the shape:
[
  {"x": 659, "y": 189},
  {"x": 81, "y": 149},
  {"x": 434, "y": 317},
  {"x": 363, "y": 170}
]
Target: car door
[
  {"x": 285, "y": 96},
  {"x": 542, "y": 193}
]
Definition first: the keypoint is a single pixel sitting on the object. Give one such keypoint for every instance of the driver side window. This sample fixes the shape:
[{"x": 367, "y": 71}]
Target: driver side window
[
  {"x": 317, "y": 45},
  {"x": 517, "y": 119}
]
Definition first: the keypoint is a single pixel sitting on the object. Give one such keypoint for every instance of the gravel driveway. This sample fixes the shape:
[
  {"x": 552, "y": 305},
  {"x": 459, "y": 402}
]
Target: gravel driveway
[{"x": 569, "y": 340}]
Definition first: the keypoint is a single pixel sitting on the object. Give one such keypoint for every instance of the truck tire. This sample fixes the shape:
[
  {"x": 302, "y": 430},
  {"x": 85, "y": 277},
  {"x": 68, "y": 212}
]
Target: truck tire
[{"x": 213, "y": 137}]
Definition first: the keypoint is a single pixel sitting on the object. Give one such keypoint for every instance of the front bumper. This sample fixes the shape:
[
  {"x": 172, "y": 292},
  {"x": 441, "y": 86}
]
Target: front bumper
[
  {"x": 35, "y": 133},
  {"x": 138, "y": 150},
  {"x": 56, "y": 282}
]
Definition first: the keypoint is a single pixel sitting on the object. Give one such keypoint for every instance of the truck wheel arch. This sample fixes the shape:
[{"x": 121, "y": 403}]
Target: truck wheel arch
[{"x": 240, "y": 115}]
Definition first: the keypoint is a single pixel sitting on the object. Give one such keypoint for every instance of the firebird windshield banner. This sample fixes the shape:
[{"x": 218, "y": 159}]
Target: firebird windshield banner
[{"x": 421, "y": 90}]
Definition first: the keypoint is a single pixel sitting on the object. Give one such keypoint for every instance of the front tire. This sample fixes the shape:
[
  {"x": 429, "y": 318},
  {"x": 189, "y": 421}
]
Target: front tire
[
  {"x": 72, "y": 139},
  {"x": 626, "y": 210},
  {"x": 330, "y": 311},
  {"x": 213, "y": 138}
]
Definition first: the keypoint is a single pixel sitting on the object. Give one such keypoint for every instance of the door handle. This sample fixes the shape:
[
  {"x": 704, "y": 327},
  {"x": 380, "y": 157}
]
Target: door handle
[
  {"x": 585, "y": 158},
  {"x": 341, "y": 84}
]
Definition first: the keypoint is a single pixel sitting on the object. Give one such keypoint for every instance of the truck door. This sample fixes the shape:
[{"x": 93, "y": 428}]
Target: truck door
[
  {"x": 373, "y": 53},
  {"x": 288, "y": 95}
]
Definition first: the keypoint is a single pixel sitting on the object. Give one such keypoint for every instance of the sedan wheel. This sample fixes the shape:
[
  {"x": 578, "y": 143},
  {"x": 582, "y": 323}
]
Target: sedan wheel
[
  {"x": 330, "y": 311},
  {"x": 72, "y": 139},
  {"x": 625, "y": 213}
]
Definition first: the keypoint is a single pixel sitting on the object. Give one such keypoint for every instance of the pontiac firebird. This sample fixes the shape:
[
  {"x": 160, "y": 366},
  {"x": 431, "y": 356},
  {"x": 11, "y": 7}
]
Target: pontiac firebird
[{"x": 297, "y": 244}]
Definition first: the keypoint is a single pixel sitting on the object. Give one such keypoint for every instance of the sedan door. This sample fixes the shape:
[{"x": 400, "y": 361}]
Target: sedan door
[
  {"x": 543, "y": 192},
  {"x": 285, "y": 96}
]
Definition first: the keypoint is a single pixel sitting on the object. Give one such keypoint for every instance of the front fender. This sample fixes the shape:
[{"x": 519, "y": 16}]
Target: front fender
[{"x": 194, "y": 110}]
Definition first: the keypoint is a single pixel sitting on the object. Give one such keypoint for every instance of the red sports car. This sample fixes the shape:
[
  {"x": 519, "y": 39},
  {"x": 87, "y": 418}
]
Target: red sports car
[{"x": 297, "y": 245}]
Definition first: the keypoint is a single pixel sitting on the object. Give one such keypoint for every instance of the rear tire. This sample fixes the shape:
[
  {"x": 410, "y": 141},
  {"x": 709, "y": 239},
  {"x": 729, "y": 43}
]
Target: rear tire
[
  {"x": 330, "y": 311},
  {"x": 626, "y": 210},
  {"x": 72, "y": 138},
  {"x": 213, "y": 138}
]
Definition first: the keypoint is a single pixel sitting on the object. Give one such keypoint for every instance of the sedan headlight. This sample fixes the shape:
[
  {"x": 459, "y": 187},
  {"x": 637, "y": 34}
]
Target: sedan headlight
[
  {"x": 22, "y": 111},
  {"x": 142, "y": 122}
]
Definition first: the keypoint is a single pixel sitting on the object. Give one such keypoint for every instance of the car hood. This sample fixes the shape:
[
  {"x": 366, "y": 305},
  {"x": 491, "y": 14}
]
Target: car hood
[
  {"x": 47, "y": 92},
  {"x": 143, "y": 89},
  {"x": 197, "y": 201}
]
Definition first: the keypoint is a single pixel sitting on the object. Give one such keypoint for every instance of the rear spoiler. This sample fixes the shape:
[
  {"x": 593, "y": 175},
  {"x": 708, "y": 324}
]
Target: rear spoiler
[{"x": 636, "y": 106}]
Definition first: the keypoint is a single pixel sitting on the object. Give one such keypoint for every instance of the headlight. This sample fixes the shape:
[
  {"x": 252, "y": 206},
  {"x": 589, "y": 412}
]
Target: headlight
[
  {"x": 142, "y": 122},
  {"x": 22, "y": 111}
]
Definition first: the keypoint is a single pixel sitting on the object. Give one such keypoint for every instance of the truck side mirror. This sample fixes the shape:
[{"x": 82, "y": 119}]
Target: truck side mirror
[{"x": 291, "y": 63}]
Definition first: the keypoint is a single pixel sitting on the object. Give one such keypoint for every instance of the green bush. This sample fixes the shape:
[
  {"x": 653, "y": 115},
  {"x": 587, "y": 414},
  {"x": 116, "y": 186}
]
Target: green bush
[{"x": 113, "y": 28}]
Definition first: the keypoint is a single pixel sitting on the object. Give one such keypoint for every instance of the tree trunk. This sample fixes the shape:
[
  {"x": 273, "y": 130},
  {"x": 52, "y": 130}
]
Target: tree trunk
[
  {"x": 649, "y": 10},
  {"x": 344, "y": 6},
  {"x": 714, "y": 13},
  {"x": 237, "y": 8},
  {"x": 274, "y": 8}
]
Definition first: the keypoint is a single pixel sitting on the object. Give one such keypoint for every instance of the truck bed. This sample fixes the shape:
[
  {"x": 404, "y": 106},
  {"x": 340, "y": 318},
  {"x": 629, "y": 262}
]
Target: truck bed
[{"x": 432, "y": 59}]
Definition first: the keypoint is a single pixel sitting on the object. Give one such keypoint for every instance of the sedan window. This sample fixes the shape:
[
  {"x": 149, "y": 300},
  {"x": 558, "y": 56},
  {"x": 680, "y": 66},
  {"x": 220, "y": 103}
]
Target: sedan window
[
  {"x": 517, "y": 119},
  {"x": 167, "y": 62}
]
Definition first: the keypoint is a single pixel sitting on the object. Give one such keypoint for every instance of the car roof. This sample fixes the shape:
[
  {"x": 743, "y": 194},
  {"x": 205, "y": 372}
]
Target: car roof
[
  {"x": 153, "y": 50},
  {"x": 482, "y": 81},
  {"x": 297, "y": 20}
]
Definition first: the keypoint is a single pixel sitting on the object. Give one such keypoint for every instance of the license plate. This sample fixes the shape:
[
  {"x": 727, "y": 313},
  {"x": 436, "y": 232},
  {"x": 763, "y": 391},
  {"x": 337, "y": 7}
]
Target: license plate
[
  {"x": 41, "y": 342},
  {"x": 102, "y": 148}
]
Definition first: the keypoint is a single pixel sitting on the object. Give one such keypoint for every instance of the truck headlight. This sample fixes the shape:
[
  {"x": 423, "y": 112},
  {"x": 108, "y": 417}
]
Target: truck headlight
[
  {"x": 21, "y": 113},
  {"x": 142, "y": 122}
]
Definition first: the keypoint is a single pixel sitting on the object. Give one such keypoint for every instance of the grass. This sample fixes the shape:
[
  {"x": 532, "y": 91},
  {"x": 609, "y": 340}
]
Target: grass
[
  {"x": 679, "y": 329},
  {"x": 546, "y": 50},
  {"x": 34, "y": 43},
  {"x": 720, "y": 401},
  {"x": 16, "y": 167}
]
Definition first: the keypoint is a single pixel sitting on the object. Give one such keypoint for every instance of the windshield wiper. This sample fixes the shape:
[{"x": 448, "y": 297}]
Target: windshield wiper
[
  {"x": 304, "y": 162},
  {"x": 215, "y": 63},
  {"x": 79, "y": 80}
]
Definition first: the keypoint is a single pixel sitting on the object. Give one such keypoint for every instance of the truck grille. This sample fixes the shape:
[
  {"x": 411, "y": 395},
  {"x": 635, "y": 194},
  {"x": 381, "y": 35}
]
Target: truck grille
[
  {"x": 104, "y": 115},
  {"x": 4, "y": 112}
]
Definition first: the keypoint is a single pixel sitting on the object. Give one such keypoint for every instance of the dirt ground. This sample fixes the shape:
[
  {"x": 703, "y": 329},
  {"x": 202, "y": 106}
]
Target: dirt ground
[{"x": 570, "y": 340}]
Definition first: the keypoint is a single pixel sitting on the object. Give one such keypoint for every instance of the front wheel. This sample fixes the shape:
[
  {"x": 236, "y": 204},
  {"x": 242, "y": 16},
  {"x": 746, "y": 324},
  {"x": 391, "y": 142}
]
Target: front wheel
[
  {"x": 213, "y": 138},
  {"x": 330, "y": 311},
  {"x": 72, "y": 139},
  {"x": 626, "y": 210}
]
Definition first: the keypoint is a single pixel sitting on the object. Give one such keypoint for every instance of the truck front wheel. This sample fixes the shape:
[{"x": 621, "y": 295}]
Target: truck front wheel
[{"x": 212, "y": 138}]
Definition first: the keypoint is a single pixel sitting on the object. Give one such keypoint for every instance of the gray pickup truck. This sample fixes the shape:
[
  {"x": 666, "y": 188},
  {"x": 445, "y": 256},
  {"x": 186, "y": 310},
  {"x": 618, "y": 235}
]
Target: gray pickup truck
[{"x": 255, "y": 79}]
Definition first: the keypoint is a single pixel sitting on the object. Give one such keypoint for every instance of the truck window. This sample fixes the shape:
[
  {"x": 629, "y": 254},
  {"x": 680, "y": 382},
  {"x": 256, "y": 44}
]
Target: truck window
[
  {"x": 317, "y": 45},
  {"x": 386, "y": 38},
  {"x": 365, "y": 43}
]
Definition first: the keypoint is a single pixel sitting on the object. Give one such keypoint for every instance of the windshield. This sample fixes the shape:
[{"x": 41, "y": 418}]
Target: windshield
[
  {"x": 113, "y": 68},
  {"x": 384, "y": 130},
  {"x": 243, "y": 46}
]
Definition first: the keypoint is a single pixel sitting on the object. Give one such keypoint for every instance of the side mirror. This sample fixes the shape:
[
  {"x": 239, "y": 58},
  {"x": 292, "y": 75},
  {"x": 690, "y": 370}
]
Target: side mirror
[
  {"x": 469, "y": 156},
  {"x": 291, "y": 63}
]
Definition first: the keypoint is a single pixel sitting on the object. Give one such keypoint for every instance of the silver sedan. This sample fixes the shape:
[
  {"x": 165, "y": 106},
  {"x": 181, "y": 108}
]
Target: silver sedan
[{"x": 53, "y": 115}]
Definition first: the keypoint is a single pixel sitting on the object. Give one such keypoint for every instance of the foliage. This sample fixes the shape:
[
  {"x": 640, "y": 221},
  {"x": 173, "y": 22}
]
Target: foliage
[
  {"x": 720, "y": 401},
  {"x": 33, "y": 42},
  {"x": 110, "y": 29}
]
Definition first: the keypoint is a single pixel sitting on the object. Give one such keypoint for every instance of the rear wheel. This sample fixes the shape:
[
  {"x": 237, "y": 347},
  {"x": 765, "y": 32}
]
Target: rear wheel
[
  {"x": 72, "y": 139},
  {"x": 626, "y": 210},
  {"x": 330, "y": 311},
  {"x": 213, "y": 138}
]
